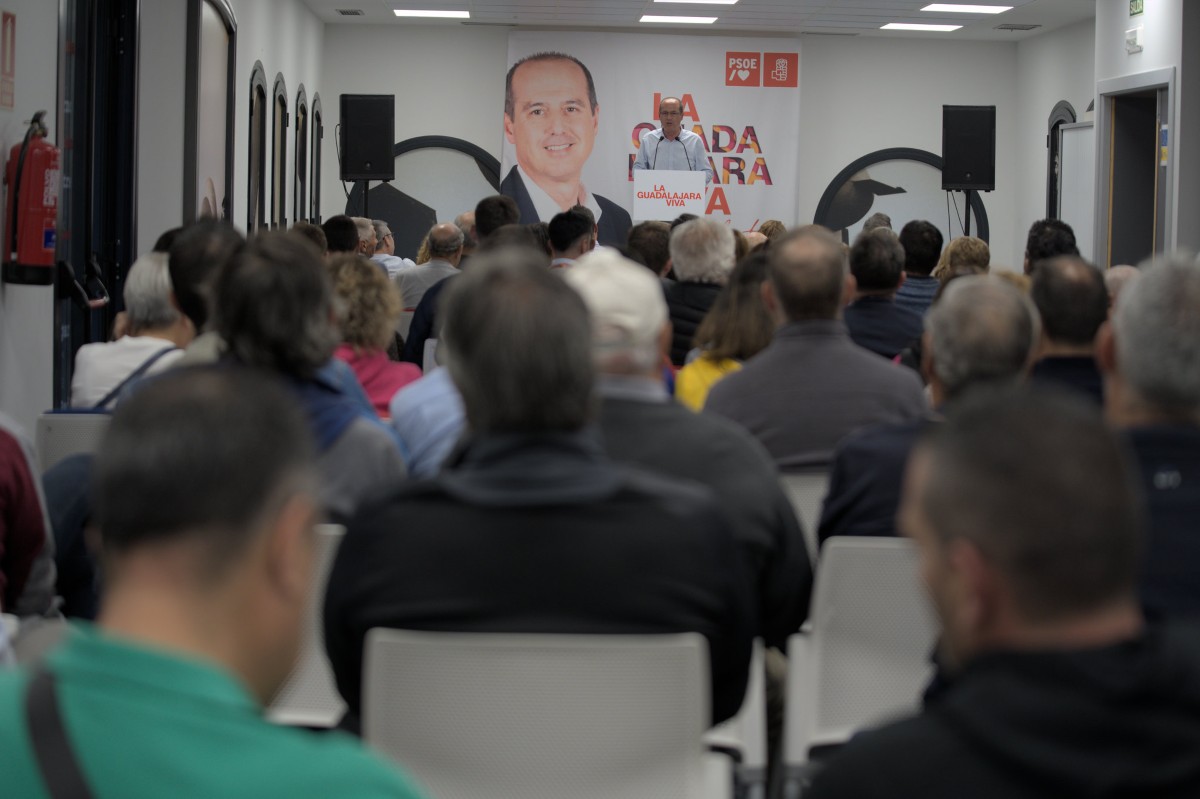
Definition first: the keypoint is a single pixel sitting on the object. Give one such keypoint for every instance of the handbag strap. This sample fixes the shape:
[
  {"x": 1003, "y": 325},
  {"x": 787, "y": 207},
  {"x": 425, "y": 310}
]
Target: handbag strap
[
  {"x": 56, "y": 760},
  {"x": 134, "y": 375}
]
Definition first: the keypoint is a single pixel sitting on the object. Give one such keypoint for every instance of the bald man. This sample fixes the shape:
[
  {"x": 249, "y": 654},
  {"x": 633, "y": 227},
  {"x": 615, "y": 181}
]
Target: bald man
[{"x": 445, "y": 250}]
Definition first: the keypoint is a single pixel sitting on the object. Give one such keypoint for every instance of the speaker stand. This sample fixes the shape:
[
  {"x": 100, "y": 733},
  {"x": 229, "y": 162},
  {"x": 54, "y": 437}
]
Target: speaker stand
[
  {"x": 366, "y": 184},
  {"x": 967, "y": 223}
]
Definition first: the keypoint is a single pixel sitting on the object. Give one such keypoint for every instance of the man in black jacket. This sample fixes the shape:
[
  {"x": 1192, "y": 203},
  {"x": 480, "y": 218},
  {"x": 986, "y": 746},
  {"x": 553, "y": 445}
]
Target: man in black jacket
[
  {"x": 1024, "y": 511},
  {"x": 702, "y": 256},
  {"x": 530, "y": 528}
]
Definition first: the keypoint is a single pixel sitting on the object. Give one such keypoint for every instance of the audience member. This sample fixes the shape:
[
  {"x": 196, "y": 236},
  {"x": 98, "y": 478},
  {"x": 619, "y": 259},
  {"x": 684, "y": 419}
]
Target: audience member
[
  {"x": 1072, "y": 301},
  {"x": 27, "y": 575},
  {"x": 572, "y": 234},
  {"x": 1048, "y": 238},
  {"x": 541, "y": 234},
  {"x": 649, "y": 243},
  {"x": 772, "y": 228},
  {"x": 736, "y": 328},
  {"x": 965, "y": 255},
  {"x": 198, "y": 254},
  {"x": 980, "y": 334},
  {"x": 274, "y": 309},
  {"x": 1150, "y": 355},
  {"x": 210, "y": 553},
  {"x": 156, "y": 332},
  {"x": 812, "y": 385},
  {"x": 385, "y": 249},
  {"x": 922, "y": 243},
  {"x": 466, "y": 223},
  {"x": 642, "y": 427},
  {"x": 166, "y": 239},
  {"x": 877, "y": 220},
  {"x": 494, "y": 212},
  {"x": 702, "y": 258},
  {"x": 530, "y": 528},
  {"x": 367, "y": 316},
  {"x": 341, "y": 234},
  {"x": 429, "y": 420},
  {"x": 741, "y": 245},
  {"x": 445, "y": 250},
  {"x": 366, "y": 237},
  {"x": 874, "y": 319},
  {"x": 1024, "y": 513},
  {"x": 313, "y": 233},
  {"x": 1115, "y": 279},
  {"x": 757, "y": 240}
]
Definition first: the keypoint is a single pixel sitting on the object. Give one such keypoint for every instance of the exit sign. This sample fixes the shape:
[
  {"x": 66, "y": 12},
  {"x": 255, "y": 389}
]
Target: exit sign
[{"x": 1136, "y": 7}]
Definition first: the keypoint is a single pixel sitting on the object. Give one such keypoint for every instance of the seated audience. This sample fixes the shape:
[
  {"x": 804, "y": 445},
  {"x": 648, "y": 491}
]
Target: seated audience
[
  {"x": 341, "y": 234},
  {"x": 209, "y": 543},
  {"x": 541, "y": 234},
  {"x": 1150, "y": 356},
  {"x": 385, "y": 249},
  {"x": 572, "y": 234},
  {"x": 27, "y": 574},
  {"x": 875, "y": 321},
  {"x": 1023, "y": 510},
  {"x": 1048, "y": 238},
  {"x": 702, "y": 258},
  {"x": 772, "y": 229},
  {"x": 530, "y": 528},
  {"x": 1073, "y": 302},
  {"x": 367, "y": 315},
  {"x": 1115, "y": 279},
  {"x": 429, "y": 420},
  {"x": 876, "y": 221},
  {"x": 649, "y": 244},
  {"x": 494, "y": 212},
  {"x": 466, "y": 223},
  {"x": 922, "y": 243},
  {"x": 274, "y": 310},
  {"x": 812, "y": 385},
  {"x": 198, "y": 254},
  {"x": 980, "y": 335},
  {"x": 313, "y": 233},
  {"x": 736, "y": 328},
  {"x": 366, "y": 237},
  {"x": 965, "y": 255},
  {"x": 156, "y": 331},
  {"x": 445, "y": 251},
  {"x": 642, "y": 427}
]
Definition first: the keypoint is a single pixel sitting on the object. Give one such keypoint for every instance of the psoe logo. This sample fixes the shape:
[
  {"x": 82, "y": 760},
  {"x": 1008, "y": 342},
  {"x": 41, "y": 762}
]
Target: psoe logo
[
  {"x": 743, "y": 69},
  {"x": 781, "y": 69}
]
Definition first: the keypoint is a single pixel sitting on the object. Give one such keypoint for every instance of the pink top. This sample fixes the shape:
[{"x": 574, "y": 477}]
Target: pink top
[{"x": 381, "y": 378}]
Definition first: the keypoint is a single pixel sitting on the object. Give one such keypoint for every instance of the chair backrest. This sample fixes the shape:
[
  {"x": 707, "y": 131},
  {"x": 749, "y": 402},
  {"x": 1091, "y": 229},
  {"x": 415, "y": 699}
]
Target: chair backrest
[
  {"x": 429, "y": 359},
  {"x": 807, "y": 491},
  {"x": 405, "y": 322},
  {"x": 746, "y": 732},
  {"x": 60, "y": 435},
  {"x": 476, "y": 715},
  {"x": 867, "y": 656},
  {"x": 309, "y": 698}
]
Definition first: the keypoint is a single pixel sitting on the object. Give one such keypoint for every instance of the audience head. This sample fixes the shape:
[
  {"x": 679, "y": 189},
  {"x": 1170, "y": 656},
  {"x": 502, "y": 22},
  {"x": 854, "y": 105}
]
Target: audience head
[
  {"x": 757, "y": 240},
  {"x": 650, "y": 243},
  {"x": 341, "y": 234},
  {"x": 1151, "y": 352},
  {"x": 148, "y": 295},
  {"x": 877, "y": 261},
  {"x": 922, "y": 243},
  {"x": 572, "y": 232},
  {"x": 702, "y": 251},
  {"x": 737, "y": 326},
  {"x": 630, "y": 327},
  {"x": 964, "y": 255},
  {"x": 494, "y": 212},
  {"x": 275, "y": 306},
  {"x": 508, "y": 236},
  {"x": 540, "y": 231},
  {"x": 368, "y": 304},
  {"x": 198, "y": 254},
  {"x": 1022, "y": 506},
  {"x": 466, "y": 223},
  {"x": 166, "y": 239},
  {"x": 741, "y": 244},
  {"x": 679, "y": 220},
  {"x": 517, "y": 342},
  {"x": 1115, "y": 279},
  {"x": 807, "y": 276},
  {"x": 772, "y": 228},
  {"x": 366, "y": 235},
  {"x": 228, "y": 459},
  {"x": 384, "y": 241},
  {"x": 1048, "y": 238},
  {"x": 445, "y": 242},
  {"x": 877, "y": 220},
  {"x": 982, "y": 332},
  {"x": 1071, "y": 299},
  {"x": 314, "y": 234}
]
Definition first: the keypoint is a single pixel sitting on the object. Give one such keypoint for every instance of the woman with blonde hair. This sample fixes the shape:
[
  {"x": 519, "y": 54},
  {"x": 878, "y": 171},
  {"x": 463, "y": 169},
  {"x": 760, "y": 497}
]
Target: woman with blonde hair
[
  {"x": 368, "y": 306},
  {"x": 963, "y": 255}
]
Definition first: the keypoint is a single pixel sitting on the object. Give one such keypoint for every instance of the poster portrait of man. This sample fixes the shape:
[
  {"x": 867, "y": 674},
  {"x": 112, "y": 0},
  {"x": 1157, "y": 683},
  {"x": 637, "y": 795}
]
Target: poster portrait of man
[{"x": 551, "y": 116}]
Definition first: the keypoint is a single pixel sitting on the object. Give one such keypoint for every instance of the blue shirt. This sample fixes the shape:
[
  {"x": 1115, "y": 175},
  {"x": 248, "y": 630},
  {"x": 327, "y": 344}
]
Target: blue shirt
[
  {"x": 428, "y": 417},
  {"x": 686, "y": 153}
]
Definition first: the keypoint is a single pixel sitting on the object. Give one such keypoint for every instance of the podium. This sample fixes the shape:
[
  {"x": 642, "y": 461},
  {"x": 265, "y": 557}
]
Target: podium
[{"x": 664, "y": 194}]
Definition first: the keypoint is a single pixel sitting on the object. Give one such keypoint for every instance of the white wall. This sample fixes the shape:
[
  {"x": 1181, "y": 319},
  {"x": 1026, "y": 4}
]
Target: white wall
[
  {"x": 448, "y": 81},
  {"x": 27, "y": 312},
  {"x": 1059, "y": 65},
  {"x": 864, "y": 94},
  {"x": 161, "y": 58}
]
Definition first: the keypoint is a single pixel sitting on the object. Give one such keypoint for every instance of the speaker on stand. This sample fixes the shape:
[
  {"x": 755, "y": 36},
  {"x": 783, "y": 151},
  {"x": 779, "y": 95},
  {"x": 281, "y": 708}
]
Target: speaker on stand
[
  {"x": 367, "y": 132},
  {"x": 968, "y": 151}
]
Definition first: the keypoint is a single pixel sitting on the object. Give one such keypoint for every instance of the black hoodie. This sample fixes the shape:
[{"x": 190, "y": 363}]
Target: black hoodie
[{"x": 1118, "y": 721}]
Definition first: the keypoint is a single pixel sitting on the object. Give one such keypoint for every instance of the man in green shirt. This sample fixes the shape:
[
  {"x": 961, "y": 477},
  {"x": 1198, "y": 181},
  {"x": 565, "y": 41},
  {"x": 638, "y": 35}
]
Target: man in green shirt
[{"x": 205, "y": 496}]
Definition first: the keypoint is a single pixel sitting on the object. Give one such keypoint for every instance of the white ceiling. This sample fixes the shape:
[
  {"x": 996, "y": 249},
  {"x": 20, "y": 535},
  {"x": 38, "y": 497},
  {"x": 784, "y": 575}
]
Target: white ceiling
[{"x": 785, "y": 17}]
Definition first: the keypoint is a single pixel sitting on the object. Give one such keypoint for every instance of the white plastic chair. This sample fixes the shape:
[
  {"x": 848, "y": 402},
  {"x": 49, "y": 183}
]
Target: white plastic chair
[
  {"x": 309, "y": 698},
  {"x": 807, "y": 492},
  {"x": 60, "y": 435},
  {"x": 746, "y": 733},
  {"x": 523, "y": 716},
  {"x": 863, "y": 658}
]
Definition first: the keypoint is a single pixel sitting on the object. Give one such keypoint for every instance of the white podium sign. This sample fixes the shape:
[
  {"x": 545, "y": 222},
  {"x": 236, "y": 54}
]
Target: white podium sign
[{"x": 666, "y": 193}]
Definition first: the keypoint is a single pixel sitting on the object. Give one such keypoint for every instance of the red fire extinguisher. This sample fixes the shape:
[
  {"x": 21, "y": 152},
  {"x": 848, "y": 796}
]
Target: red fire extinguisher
[{"x": 32, "y": 177}]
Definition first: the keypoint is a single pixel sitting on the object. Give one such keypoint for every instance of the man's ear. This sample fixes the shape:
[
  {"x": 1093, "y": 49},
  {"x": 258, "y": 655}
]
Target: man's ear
[
  {"x": 770, "y": 299},
  {"x": 849, "y": 287},
  {"x": 291, "y": 548},
  {"x": 903, "y": 277},
  {"x": 508, "y": 134},
  {"x": 1106, "y": 349},
  {"x": 978, "y": 589}
]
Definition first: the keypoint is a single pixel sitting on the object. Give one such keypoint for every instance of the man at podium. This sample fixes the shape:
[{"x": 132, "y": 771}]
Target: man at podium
[{"x": 672, "y": 147}]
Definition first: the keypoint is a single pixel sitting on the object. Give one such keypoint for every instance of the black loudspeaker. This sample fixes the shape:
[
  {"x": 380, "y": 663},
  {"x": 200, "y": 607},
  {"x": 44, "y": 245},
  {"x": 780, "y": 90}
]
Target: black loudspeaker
[
  {"x": 968, "y": 147},
  {"x": 368, "y": 126}
]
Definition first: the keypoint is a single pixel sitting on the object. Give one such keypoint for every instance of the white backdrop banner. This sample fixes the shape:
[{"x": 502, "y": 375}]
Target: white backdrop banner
[{"x": 741, "y": 99}]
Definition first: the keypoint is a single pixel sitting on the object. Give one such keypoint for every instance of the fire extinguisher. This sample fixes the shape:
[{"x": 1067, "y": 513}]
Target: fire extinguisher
[{"x": 32, "y": 176}]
